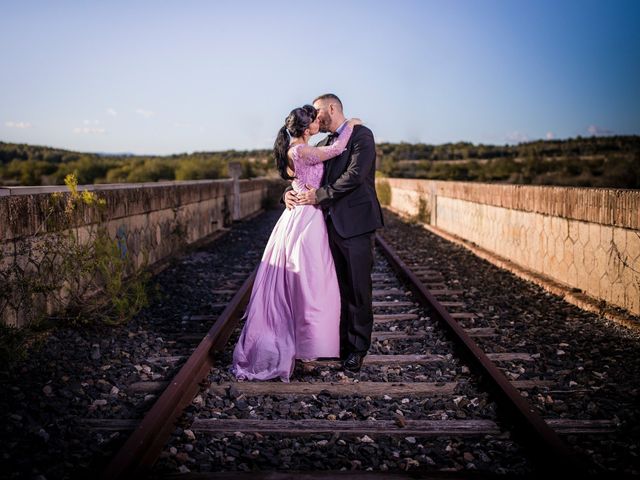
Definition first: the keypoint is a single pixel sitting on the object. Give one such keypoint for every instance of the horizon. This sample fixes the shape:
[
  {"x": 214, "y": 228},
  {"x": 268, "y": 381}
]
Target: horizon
[
  {"x": 150, "y": 79},
  {"x": 116, "y": 154}
]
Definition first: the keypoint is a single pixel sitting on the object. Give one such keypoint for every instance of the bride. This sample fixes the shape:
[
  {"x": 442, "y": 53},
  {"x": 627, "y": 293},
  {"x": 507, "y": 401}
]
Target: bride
[{"x": 294, "y": 309}]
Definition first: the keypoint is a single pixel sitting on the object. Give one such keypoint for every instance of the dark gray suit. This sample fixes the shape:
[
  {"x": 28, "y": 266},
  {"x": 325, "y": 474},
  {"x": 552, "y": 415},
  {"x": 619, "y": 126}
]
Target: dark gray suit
[{"x": 348, "y": 199}]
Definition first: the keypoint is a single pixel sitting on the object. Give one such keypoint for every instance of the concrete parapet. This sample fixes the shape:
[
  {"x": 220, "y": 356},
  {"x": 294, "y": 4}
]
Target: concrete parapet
[
  {"x": 152, "y": 221},
  {"x": 586, "y": 239}
]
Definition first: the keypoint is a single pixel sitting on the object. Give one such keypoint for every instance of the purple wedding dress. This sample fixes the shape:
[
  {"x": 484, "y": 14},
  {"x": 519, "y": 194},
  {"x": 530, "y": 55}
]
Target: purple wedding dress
[{"x": 294, "y": 310}]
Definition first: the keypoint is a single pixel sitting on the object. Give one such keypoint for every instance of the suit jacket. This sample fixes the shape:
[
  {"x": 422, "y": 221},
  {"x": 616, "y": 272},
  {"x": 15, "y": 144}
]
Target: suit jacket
[{"x": 348, "y": 191}]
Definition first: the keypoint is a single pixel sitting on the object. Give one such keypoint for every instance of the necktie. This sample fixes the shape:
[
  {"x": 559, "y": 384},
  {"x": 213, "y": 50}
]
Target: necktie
[{"x": 332, "y": 138}]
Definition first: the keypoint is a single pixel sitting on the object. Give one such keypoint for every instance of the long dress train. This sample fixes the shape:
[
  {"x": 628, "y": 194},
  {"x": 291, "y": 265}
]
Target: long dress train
[{"x": 294, "y": 309}]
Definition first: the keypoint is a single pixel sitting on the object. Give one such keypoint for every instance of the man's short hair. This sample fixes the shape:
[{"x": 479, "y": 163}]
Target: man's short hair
[{"x": 331, "y": 97}]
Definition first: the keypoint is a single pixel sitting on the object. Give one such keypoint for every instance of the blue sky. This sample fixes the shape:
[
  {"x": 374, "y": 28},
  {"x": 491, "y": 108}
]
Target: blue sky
[{"x": 171, "y": 77}]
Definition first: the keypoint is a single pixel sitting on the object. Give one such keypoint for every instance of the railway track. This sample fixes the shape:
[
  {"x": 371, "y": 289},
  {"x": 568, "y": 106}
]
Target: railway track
[{"x": 427, "y": 399}]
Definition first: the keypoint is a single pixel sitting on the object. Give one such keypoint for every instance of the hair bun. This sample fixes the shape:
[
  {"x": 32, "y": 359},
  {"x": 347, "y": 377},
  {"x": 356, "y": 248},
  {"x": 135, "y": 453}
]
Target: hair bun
[{"x": 299, "y": 120}]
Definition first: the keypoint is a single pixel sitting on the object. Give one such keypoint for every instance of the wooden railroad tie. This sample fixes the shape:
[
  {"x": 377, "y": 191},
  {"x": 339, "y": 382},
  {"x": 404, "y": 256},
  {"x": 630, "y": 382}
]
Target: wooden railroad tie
[
  {"x": 387, "y": 291},
  {"x": 384, "y": 335},
  {"x": 376, "y": 359},
  {"x": 564, "y": 426},
  {"x": 393, "y": 317},
  {"x": 372, "y": 389},
  {"x": 393, "y": 304}
]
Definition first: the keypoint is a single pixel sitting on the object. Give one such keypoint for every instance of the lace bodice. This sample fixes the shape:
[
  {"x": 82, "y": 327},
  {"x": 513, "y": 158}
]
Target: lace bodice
[
  {"x": 306, "y": 174},
  {"x": 308, "y": 160}
]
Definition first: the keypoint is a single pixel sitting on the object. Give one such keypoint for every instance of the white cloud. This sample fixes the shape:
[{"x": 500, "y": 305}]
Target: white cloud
[
  {"x": 17, "y": 124},
  {"x": 91, "y": 122},
  {"x": 89, "y": 130},
  {"x": 550, "y": 136},
  {"x": 145, "y": 113},
  {"x": 597, "y": 131},
  {"x": 112, "y": 112},
  {"x": 517, "y": 137}
]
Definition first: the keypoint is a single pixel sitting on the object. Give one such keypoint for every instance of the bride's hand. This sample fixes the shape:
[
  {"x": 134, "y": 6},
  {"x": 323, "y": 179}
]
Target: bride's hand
[{"x": 355, "y": 121}]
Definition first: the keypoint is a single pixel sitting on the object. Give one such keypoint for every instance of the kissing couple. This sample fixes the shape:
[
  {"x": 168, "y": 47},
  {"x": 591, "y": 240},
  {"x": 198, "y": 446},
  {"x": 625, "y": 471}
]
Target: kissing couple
[{"x": 312, "y": 296}]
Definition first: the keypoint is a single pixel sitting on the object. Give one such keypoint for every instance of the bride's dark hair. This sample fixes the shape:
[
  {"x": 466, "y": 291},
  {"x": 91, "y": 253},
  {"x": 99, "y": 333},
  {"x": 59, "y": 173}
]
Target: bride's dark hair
[{"x": 294, "y": 125}]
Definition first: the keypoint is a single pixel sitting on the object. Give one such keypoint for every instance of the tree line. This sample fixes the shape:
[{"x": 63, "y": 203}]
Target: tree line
[
  {"x": 22, "y": 164},
  {"x": 606, "y": 161}
]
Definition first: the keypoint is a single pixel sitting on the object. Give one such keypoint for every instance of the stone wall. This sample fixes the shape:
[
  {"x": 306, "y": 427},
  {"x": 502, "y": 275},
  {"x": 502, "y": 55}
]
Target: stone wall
[
  {"x": 585, "y": 238},
  {"x": 151, "y": 220}
]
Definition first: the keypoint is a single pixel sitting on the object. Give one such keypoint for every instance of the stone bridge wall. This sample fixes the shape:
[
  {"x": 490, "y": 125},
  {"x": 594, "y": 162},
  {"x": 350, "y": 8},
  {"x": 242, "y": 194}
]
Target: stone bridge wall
[
  {"x": 152, "y": 220},
  {"x": 587, "y": 239}
]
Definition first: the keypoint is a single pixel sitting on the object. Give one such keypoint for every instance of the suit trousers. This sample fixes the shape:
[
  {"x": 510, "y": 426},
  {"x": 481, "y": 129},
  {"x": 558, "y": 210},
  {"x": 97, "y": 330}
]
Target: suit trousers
[{"x": 353, "y": 258}]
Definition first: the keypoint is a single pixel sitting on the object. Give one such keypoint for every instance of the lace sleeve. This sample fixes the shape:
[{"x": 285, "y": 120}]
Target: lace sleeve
[{"x": 311, "y": 155}]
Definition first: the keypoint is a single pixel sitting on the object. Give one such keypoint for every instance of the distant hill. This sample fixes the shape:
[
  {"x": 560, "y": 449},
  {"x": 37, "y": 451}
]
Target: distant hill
[
  {"x": 607, "y": 161},
  {"x": 22, "y": 164},
  {"x": 111, "y": 154},
  {"x": 611, "y": 161}
]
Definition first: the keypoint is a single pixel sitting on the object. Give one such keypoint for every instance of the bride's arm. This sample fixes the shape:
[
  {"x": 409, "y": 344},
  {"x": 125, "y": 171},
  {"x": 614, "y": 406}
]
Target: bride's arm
[{"x": 312, "y": 155}]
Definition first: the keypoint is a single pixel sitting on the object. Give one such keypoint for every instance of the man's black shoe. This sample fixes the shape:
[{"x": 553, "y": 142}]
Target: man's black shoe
[{"x": 353, "y": 362}]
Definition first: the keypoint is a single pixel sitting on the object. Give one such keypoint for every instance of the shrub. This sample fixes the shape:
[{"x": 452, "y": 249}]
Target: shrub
[
  {"x": 383, "y": 190},
  {"x": 78, "y": 270}
]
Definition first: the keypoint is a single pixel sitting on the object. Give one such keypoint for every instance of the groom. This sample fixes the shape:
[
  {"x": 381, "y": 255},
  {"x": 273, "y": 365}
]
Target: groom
[{"x": 352, "y": 212}]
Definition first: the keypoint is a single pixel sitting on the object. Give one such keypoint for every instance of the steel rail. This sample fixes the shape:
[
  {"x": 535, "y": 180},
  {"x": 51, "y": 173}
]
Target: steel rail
[
  {"x": 141, "y": 449},
  {"x": 143, "y": 446},
  {"x": 543, "y": 441}
]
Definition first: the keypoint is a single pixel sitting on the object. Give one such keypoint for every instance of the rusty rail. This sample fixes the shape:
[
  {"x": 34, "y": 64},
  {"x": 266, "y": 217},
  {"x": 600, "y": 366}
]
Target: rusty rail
[
  {"x": 142, "y": 448},
  {"x": 543, "y": 441}
]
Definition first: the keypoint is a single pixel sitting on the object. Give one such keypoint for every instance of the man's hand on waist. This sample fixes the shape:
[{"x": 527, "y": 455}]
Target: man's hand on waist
[
  {"x": 290, "y": 199},
  {"x": 308, "y": 197}
]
